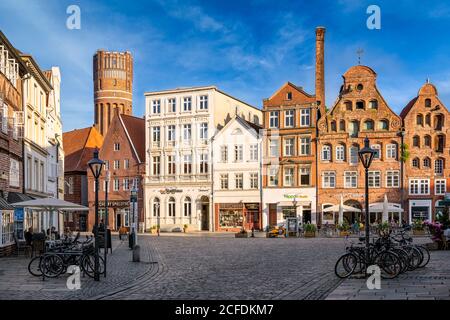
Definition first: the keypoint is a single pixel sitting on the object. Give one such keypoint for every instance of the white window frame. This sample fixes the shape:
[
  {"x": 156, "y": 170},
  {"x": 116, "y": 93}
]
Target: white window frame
[
  {"x": 288, "y": 179},
  {"x": 254, "y": 181},
  {"x": 224, "y": 181},
  {"x": 224, "y": 153},
  {"x": 273, "y": 176},
  {"x": 350, "y": 179},
  {"x": 274, "y": 119},
  {"x": 187, "y": 104},
  {"x": 391, "y": 151},
  {"x": 326, "y": 150},
  {"x": 353, "y": 155},
  {"x": 340, "y": 152},
  {"x": 419, "y": 185},
  {"x": 374, "y": 180},
  {"x": 289, "y": 118},
  {"x": 171, "y": 134},
  {"x": 289, "y": 149},
  {"x": 156, "y": 106},
  {"x": 239, "y": 181},
  {"x": 274, "y": 146},
  {"x": 440, "y": 187},
  {"x": 439, "y": 169},
  {"x": 392, "y": 179},
  {"x": 377, "y": 148},
  {"x": 238, "y": 153},
  {"x": 204, "y": 131},
  {"x": 254, "y": 152},
  {"x": 328, "y": 179},
  {"x": 203, "y": 102},
  {"x": 305, "y": 117},
  {"x": 171, "y": 105},
  {"x": 305, "y": 143}
]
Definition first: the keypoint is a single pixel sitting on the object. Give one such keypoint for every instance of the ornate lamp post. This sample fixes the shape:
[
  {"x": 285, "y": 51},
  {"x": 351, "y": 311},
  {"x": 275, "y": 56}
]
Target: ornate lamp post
[
  {"x": 95, "y": 164},
  {"x": 366, "y": 155}
]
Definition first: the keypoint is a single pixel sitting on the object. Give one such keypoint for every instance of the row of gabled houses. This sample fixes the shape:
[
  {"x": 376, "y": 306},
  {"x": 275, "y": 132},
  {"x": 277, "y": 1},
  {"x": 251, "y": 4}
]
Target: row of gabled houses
[
  {"x": 204, "y": 159},
  {"x": 31, "y": 150}
]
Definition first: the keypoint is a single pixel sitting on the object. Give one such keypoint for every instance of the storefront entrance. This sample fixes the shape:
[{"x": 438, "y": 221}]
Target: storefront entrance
[
  {"x": 118, "y": 221},
  {"x": 204, "y": 205}
]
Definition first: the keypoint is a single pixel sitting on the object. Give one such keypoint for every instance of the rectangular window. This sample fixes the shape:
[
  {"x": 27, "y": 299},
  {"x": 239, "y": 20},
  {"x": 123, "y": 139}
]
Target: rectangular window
[
  {"x": 187, "y": 164},
  {"x": 377, "y": 149},
  {"x": 239, "y": 180},
  {"x": 203, "y": 163},
  {"x": 224, "y": 181},
  {"x": 288, "y": 177},
  {"x": 156, "y": 134},
  {"x": 224, "y": 153},
  {"x": 171, "y": 166},
  {"x": 440, "y": 186},
  {"x": 4, "y": 118},
  {"x": 289, "y": 147},
  {"x": 354, "y": 155},
  {"x": 351, "y": 179},
  {"x": 305, "y": 117},
  {"x": 187, "y": 132},
  {"x": 172, "y": 105},
  {"x": 289, "y": 118},
  {"x": 116, "y": 164},
  {"x": 391, "y": 151},
  {"x": 374, "y": 179},
  {"x": 157, "y": 165},
  {"x": 126, "y": 184},
  {"x": 106, "y": 164},
  {"x": 273, "y": 176},
  {"x": 116, "y": 184},
  {"x": 203, "y": 102},
  {"x": 254, "y": 152},
  {"x": 419, "y": 186},
  {"x": 71, "y": 185},
  {"x": 305, "y": 146},
  {"x": 305, "y": 176},
  {"x": 273, "y": 148},
  {"x": 171, "y": 133},
  {"x": 156, "y": 106},
  {"x": 187, "y": 104},
  {"x": 329, "y": 179},
  {"x": 116, "y": 146},
  {"x": 392, "y": 179},
  {"x": 439, "y": 166},
  {"x": 273, "y": 119},
  {"x": 204, "y": 131},
  {"x": 238, "y": 153},
  {"x": 340, "y": 153},
  {"x": 126, "y": 164},
  {"x": 253, "y": 181}
]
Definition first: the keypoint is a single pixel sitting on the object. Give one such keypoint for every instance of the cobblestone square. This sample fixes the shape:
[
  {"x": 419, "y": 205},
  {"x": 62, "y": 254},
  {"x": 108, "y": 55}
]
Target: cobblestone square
[{"x": 206, "y": 266}]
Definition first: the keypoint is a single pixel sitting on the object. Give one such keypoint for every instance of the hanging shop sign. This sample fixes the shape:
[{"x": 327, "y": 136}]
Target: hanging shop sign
[{"x": 115, "y": 203}]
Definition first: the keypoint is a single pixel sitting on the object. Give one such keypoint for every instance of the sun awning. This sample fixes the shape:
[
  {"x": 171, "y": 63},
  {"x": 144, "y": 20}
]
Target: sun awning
[
  {"x": 50, "y": 204},
  {"x": 345, "y": 208},
  {"x": 378, "y": 207}
]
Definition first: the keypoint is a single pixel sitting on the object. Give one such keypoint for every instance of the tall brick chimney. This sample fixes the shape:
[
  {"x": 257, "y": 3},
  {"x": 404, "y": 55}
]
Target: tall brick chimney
[{"x": 320, "y": 70}]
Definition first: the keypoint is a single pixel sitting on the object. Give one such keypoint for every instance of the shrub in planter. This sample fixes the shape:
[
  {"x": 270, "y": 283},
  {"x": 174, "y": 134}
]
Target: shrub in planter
[
  {"x": 241, "y": 234},
  {"x": 310, "y": 230},
  {"x": 185, "y": 227},
  {"x": 418, "y": 227},
  {"x": 344, "y": 228}
]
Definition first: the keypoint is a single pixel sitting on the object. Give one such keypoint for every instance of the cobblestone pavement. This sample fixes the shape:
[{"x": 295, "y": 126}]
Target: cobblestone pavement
[
  {"x": 204, "y": 266},
  {"x": 429, "y": 283}
]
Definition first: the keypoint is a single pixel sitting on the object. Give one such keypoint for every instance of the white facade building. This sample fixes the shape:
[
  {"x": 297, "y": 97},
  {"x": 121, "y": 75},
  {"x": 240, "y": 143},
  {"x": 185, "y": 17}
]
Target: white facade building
[
  {"x": 237, "y": 176},
  {"x": 179, "y": 127}
]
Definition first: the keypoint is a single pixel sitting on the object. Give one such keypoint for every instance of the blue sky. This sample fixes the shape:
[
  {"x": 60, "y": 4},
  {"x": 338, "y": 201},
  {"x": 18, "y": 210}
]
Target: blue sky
[{"x": 246, "y": 48}]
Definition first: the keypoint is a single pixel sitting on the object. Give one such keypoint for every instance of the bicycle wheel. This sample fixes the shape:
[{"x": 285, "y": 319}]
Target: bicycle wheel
[
  {"x": 34, "y": 267},
  {"x": 389, "y": 264},
  {"x": 88, "y": 264},
  {"x": 415, "y": 257},
  {"x": 403, "y": 258},
  {"x": 345, "y": 265},
  {"x": 52, "y": 265},
  {"x": 426, "y": 256}
]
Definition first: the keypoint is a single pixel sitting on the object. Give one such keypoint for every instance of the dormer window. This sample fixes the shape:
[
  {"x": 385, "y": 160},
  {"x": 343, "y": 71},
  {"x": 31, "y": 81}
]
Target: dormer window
[
  {"x": 359, "y": 104},
  {"x": 373, "y": 104},
  {"x": 428, "y": 103},
  {"x": 289, "y": 96}
]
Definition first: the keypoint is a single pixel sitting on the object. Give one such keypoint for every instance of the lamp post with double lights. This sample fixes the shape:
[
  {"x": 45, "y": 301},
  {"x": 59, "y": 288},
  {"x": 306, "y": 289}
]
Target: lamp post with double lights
[
  {"x": 95, "y": 164},
  {"x": 366, "y": 155}
]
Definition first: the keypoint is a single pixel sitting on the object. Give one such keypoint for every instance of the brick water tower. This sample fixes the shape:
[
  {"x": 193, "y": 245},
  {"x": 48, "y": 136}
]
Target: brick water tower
[{"x": 113, "y": 83}]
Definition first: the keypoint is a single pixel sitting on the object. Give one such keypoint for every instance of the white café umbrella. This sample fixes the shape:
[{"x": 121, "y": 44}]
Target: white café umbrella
[
  {"x": 49, "y": 204},
  {"x": 385, "y": 207},
  {"x": 385, "y": 216},
  {"x": 341, "y": 208}
]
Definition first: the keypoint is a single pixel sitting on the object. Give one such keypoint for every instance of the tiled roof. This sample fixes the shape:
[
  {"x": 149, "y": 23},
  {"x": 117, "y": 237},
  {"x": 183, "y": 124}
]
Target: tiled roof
[
  {"x": 79, "y": 146},
  {"x": 136, "y": 129},
  {"x": 408, "y": 107},
  {"x": 254, "y": 126}
]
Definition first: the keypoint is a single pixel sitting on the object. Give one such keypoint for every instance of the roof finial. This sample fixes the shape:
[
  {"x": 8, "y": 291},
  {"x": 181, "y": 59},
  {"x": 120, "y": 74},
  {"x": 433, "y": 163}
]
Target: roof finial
[
  {"x": 359, "y": 52},
  {"x": 428, "y": 80}
]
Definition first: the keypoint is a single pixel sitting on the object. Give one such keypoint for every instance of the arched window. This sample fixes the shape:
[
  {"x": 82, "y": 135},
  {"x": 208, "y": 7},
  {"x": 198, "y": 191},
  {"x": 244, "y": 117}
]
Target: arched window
[
  {"x": 439, "y": 166},
  {"x": 373, "y": 104},
  {"x": 156, "y": 207},
  {"x": 354, "y": 157},
  {"x": 415, "y": 163},
  {"x": 383, "y": 125},
  {"x": 427, "y": 141},
  {"x": 440, "y": 143},
  {"x": 428, "y": 103},
  {"x": 340, "y": 152},
  {"x": 171, "y": 207},
  {"x": 348, "y": 106},
  {"x": 438, "y": 122},
  {"x": 416, "y": 141},
  {"x": 419, "y": 120},
  {"x": 333, "y": 126},
  {"x": 326, "y": 153},
  {"x": 368, "y": 125},
  {"x": 187, "y": 207},
  {"x": 342, "y": 125},
  {"x": 354, "y": 128},
  {"x": 256, "y": 119},
  {"x": 427, "y": 162},
  {"x": 360, "y": 104},
  {"x": 428, "y": 119}
]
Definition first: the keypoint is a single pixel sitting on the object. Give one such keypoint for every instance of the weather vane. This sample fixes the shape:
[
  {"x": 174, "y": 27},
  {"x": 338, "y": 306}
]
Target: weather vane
[{"x": 360, "y": 53}]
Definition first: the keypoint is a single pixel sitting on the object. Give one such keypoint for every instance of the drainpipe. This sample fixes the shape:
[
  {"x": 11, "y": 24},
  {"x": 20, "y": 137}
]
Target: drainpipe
[
  {"x": 212, "y": 211},
  {"x": 260, "y": 181}
]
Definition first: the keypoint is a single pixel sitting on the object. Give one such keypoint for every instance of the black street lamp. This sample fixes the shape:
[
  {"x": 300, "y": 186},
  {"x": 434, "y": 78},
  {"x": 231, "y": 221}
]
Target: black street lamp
[
  {"x": 366, "y": 155},
  {"x": 95, "y": 164}
]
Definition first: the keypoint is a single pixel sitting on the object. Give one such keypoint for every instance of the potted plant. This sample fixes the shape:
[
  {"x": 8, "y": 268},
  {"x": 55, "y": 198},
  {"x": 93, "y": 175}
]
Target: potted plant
[
  {"x": 153, "y": 229},
  {"x": 418, "y": 227},
  {"x": 344, "y": 228},
  {"x": 384, "y": 229},
  {"x": 185, "y": 227},
  {"x": 310, "y": 230},
  {"x": 241, "y": 234}
]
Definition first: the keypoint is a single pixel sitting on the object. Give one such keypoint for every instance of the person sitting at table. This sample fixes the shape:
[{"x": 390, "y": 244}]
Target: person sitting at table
[
  {"x": 54, "y": 233},
  {"x": 29, "y": 236}
]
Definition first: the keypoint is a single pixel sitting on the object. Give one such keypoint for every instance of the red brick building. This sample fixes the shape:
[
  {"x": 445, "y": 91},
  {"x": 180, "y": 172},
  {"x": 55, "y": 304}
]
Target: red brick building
[
  {"x": 427, "y": 172},
  {"x": 12, "y": 71},
  {"x": 79, "y": 146},
  {"x": 123, "y": 151},
  {"x": 360, "y": 111}
]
